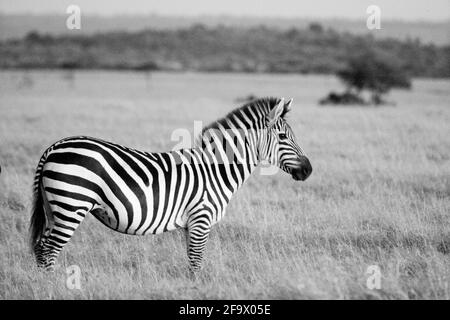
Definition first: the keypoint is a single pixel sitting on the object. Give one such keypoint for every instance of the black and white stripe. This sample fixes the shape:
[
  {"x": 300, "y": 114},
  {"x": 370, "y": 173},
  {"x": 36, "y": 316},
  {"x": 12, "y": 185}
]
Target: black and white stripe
[{"x": 140, "y": 193}]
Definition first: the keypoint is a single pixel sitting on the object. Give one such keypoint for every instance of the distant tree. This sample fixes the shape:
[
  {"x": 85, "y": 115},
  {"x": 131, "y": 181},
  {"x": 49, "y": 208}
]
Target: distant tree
[
  {"x": 147, "y": 66},
  {"x": 375, "y": 73},
  {"x": 33, "y": 36},
  {"x": 70, "y": 65},
  {"x": 315, "y": 27}
]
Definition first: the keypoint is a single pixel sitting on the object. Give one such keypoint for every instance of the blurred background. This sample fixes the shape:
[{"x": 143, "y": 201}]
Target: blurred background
[
  {"x": 409, "y": 39},
  {"x": 237, "y": 36}
]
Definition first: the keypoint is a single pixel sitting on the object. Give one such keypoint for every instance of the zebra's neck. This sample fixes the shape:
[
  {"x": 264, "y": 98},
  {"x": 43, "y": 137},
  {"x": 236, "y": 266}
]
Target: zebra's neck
[{"x": 233, "y": 154}]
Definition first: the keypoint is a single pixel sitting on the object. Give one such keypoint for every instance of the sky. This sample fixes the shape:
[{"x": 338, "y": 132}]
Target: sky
[{"x": 427, "y": 10}]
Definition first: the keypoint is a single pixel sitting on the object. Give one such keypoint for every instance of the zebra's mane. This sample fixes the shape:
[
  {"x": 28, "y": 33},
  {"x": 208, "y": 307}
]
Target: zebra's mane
[{"x": 258, "y": 106}]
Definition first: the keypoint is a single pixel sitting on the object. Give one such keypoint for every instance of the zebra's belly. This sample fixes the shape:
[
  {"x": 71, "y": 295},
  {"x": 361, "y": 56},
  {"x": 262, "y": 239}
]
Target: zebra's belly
[{"x": 150, "y": 223}]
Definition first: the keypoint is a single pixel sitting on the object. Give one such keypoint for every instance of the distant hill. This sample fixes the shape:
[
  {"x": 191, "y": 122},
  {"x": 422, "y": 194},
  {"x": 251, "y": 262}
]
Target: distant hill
[
  {"x": 17, "y": 26},
  {"x": 314, "y": 49}
]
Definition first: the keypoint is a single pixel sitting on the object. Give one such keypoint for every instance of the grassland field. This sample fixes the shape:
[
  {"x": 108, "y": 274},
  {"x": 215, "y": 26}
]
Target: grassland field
[{"x": 379, "y": 193}]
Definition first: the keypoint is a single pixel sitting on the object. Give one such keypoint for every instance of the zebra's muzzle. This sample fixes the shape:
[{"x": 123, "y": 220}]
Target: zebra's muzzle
[{"x": 303, "y": 171}]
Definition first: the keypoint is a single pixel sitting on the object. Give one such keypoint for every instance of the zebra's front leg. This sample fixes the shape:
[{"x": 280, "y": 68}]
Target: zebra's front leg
[{"x": 198, "y": 229}]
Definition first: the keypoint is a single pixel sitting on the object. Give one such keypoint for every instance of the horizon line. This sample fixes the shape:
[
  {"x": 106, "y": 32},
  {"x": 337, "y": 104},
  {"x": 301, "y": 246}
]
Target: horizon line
[{"x": 224, "y": 15}]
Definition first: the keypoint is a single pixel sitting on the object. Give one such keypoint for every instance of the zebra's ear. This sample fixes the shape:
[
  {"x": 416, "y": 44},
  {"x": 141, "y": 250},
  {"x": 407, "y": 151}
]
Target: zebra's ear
[
  {"x": 275, "y": 113},
  {"x": 287, "y": 107}
]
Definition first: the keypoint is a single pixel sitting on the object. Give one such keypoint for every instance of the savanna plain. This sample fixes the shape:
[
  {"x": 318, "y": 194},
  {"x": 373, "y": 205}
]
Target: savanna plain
[{"x": 379, "y": 194}]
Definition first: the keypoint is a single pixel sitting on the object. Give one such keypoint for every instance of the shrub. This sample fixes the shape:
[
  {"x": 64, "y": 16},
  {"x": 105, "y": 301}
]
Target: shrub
[{"x": 374, "y": 72}]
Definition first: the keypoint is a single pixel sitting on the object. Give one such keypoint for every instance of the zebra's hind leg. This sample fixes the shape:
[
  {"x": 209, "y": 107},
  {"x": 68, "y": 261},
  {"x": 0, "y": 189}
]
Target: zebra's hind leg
[
  {"x": 198, "y": 229},
  {"x": 57, "y": 236}
]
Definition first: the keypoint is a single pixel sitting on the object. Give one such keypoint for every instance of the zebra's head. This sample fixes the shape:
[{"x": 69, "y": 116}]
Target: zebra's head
[{"x": 278, "y": 145}]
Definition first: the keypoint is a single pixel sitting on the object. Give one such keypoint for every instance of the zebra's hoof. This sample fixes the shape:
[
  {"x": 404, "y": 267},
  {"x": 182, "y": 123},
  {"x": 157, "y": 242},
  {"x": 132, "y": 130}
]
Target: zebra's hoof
[{"x": 194, "y": 273}]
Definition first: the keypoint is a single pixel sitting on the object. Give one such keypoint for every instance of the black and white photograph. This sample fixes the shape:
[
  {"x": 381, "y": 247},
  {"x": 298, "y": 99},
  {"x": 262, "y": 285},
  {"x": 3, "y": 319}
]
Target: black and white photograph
[{"x": 240, "y": 150}]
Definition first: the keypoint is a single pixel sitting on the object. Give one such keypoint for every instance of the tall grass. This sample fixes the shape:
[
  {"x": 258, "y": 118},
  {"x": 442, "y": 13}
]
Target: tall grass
[{"x": 379, "y": 193}]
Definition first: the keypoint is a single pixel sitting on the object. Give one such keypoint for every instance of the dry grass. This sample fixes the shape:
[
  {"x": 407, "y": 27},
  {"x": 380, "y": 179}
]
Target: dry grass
[{"x": 379, "y": 193}]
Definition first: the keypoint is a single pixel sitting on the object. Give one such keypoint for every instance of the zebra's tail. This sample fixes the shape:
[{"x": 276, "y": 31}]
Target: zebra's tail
[{"x": 38, "y": 218}]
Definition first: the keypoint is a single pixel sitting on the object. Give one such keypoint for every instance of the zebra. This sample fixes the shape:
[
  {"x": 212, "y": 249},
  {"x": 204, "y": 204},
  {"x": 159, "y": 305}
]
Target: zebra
[{"x": 138, "y": 193}]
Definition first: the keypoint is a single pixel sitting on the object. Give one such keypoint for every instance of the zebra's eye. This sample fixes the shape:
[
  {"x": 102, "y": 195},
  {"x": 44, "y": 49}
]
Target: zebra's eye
[{"x": 282, "y": 136}]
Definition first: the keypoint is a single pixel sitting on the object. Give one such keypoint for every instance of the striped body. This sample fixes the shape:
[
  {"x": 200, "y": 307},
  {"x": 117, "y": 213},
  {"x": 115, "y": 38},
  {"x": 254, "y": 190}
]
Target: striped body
[
  {"x": 130, "y": 191},
  {"x": 138, "y": 193}
]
